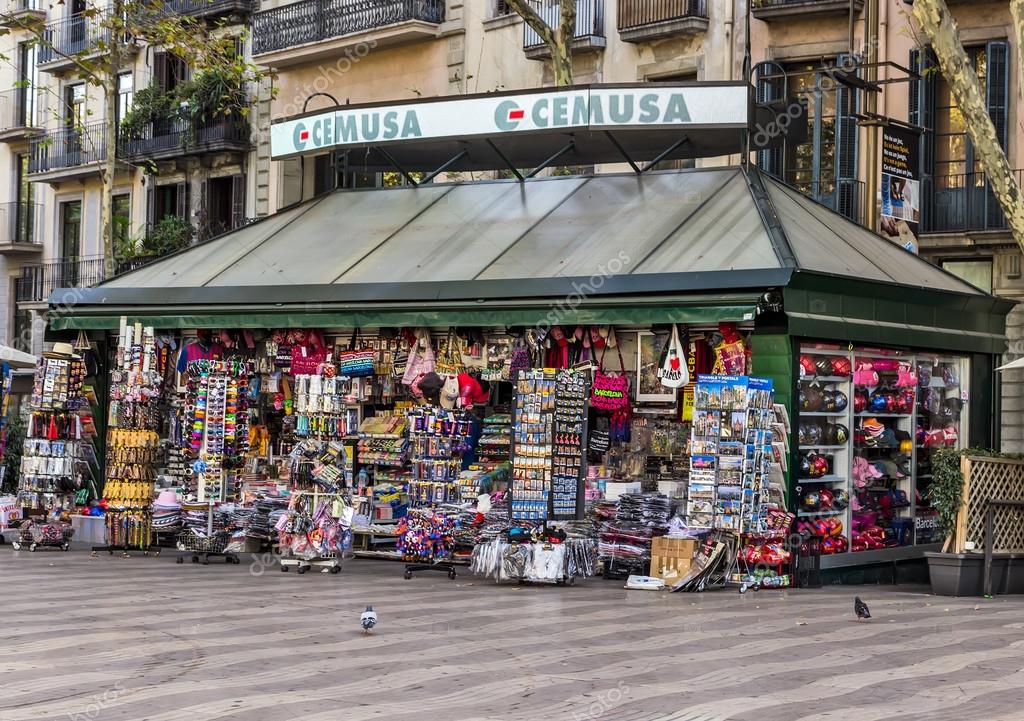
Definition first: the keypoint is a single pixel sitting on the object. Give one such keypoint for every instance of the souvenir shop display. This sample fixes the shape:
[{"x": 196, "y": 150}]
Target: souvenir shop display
[
  {"x": 59, "y": 457},
  {"x": 383, "y": 446},
  {"x": 496, "y": 438},
  {"x": 549, "y": 438},
  {"x": 54, "y": 533},
  {"x": 437, "y": 439},
  {"x": 216, "y": 401},
  {"x": 322, "y": 405},
  {"x": 554, "y": 557},
  {"x": 627, "y": 534},
  {"x": 425, "y": 541},
  {"x": 315, "y": 531}
]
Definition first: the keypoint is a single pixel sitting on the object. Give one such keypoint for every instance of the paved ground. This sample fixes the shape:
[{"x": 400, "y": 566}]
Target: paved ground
[{"x": 143, "y": 638}]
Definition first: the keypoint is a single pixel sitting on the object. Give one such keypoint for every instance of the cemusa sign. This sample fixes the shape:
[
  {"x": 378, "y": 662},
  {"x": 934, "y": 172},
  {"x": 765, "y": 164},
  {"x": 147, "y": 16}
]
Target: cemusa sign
[{"x": 599, "y": 108}]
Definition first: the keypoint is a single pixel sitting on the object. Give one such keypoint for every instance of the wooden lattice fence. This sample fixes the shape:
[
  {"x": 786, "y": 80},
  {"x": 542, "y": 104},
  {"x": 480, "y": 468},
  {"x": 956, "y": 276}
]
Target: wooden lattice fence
[{"x": 984, "y": 479}]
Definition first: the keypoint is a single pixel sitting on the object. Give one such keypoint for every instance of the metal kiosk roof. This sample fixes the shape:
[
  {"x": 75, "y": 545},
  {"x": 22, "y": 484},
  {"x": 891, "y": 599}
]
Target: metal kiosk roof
[{"x": 675, "y": 246}]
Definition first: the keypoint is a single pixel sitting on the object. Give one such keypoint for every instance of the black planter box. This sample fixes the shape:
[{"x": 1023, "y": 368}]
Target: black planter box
[{"x": 963, "y": 574}]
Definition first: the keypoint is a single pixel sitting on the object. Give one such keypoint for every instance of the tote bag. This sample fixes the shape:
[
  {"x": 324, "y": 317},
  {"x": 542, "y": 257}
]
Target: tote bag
[
  {"x": 610, "y": 392},
  {"x": 673, "y": 371},
  {"x": 421, "y": 358},
  {"x": 357, "y": 361}
]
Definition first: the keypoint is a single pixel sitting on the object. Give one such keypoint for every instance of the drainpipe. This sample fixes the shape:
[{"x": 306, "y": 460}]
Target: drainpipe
[
  {"x": 729, "y": 44},
  {"x": 870, "y": 101}
]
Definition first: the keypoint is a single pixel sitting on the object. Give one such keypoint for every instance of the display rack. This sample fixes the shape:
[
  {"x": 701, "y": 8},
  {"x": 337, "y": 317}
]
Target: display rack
[
  {"x": 328, "y": 509},
  {"x": 437, "y": 439}
]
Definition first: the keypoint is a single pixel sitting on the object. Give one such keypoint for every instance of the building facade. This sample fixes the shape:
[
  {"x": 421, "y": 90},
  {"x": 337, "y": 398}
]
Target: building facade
[
  {"x": 52, "y": 143},
  {"x": 327, "y": 51}
]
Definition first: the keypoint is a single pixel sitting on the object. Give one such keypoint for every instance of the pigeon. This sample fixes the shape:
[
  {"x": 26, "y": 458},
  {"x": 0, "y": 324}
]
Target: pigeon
[
  {"x": 861, "y": 609},
  {"x": 368, "y": 619}
]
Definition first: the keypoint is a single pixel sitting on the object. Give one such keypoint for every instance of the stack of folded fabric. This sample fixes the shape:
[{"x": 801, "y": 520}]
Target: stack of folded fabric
[{"x": 625, "y": 540}]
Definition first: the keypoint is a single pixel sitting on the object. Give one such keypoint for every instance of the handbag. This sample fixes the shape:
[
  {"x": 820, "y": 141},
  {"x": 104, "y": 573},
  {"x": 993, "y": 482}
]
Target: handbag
[
  {"x": 673, "y": 372},
  {"x": 449, "y": 360},
  {"x": 307, "y": 361},
  {"x": 357, "y": 361},
  {"x": 610, "y": 392},
  {"x": 519, "y": 358},
  {"x": 399, "y": 360},
  {"x": 421, "y": 358}
]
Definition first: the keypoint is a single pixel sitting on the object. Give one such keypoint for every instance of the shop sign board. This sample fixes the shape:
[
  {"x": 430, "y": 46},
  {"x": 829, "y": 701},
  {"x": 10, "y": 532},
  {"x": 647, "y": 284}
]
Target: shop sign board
[
  {"x": 901, "y": 185},
  {"x": 595, "y": 108}
]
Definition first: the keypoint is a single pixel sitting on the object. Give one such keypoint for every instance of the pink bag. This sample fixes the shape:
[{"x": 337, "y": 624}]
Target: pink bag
[
  {"x": 610, "y": 392},
  {"x": 421, "y": 358},
  {"x": 306, "y": 360}
]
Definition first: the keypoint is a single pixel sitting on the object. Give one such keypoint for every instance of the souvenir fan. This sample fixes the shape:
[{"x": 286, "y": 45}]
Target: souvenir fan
[
  {"x": 860, "y": 401},
  {"x": 839, "y": 435},
  {"x": 802, "y": 435},
  {"x": 841, "y": 366},
  {"x": 807, "y": 366},
  {"x": 840, "y": 498},
  {"x": 826, "y": 499}
]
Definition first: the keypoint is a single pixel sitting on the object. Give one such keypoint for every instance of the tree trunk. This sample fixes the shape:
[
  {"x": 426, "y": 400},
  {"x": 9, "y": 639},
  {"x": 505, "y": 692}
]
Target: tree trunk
[
  {"x": 110, "y": 128},
  {"x": 559, "y": 41},
  {"x": 935, "y": 20}
]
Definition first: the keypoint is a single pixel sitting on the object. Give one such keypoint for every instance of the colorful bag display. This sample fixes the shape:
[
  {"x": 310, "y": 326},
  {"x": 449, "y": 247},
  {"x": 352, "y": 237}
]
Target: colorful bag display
[
  {"x": 307, "y": 361},
  {"x": 449, "y": 359},
  {"x": 357, "y": 361},
  {"x": 610, "y": 392}
]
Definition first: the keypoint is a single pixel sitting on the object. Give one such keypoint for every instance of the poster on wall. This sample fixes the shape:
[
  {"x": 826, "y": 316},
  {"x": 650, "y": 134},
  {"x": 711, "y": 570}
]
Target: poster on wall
[{"x": 901, "y": 186}]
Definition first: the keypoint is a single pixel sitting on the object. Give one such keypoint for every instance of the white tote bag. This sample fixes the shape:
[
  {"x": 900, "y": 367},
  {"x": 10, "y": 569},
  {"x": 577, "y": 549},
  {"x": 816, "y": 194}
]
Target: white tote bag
[{"x": 673, "y": 372}]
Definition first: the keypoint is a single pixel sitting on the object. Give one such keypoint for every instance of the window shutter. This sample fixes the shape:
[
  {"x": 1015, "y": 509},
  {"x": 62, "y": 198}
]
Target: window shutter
[
  {"x": 770, "y": 88},
  {"x": 150, "y": 209},
  {"x": 922, "y": 112},
  {"x": 160, "y": 70},
  {"x": 237, "y": 200},
  {"x": 847, "y": 197},
  {"x": 997, "y": 86},
  {"x": 203, "y": 217},
  {"x": 184, "y": 207}
]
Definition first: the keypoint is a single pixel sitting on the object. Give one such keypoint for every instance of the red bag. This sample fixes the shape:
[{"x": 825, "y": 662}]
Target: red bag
[
  {"x": 307, "y": 361},
  {"x": 610, "y": 392}
]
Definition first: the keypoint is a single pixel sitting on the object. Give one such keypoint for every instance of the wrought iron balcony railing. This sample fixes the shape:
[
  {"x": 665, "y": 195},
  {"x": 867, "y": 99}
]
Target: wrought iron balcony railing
[
  {"x": 589, "y": 22},
  {"x": 38, "y": 280},
  {"x": 67, "y": 148},
  {"x": 71, "y": 36},
  {"x": 175, "y": 137},
  {"x": 310, "y": 21},
  {"x": 961, "y": 203},
  {"x": 638, "y": 13},
  {"x": 19, "y": 223},
  {"x": 18, "y": 109},
  {"x": 202, "y": 8}
]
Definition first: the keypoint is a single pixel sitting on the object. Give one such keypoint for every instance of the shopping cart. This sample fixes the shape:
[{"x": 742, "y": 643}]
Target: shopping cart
[
  {"x": 201, "y": 547},
  {"x": 44, "y": 535}
]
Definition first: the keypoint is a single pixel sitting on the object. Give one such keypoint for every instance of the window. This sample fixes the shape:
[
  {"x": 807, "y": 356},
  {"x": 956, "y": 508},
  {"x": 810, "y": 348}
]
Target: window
[
  {"x": 953, "y": 154},
  {"x": 25, "y": 227},
  {"x": 976, "y": 272},
  {"x": 75, "y": 112},
  {"x": 21, "y": 328},
  {"x": 223, "y": 205},
  {"x": 70, "y": 242},
  {"x": 168, "y": 71},
  {"x": 122, "y": 219},
  {"x": 164, "y": 200},
  {"x": 28, "y": 81},
  {"x": 125, "y": 95},
  {"x": 501, "y": 7},
  {"x": 824, "y": 164}
]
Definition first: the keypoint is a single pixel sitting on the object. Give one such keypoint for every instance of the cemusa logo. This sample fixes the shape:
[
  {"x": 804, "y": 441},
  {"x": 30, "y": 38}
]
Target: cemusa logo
[
  {"x": 300, "y": 136},
  {"x": 562, "y": 111}
]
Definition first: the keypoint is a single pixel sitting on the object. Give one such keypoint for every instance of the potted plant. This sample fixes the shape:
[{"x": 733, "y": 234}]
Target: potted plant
[{"x": 958, "y": 573}]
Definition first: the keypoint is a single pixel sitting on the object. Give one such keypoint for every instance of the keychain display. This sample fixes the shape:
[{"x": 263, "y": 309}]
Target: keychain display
[
  {"x": 425, "y": 535},
  {"x": 437, "y": 439}
]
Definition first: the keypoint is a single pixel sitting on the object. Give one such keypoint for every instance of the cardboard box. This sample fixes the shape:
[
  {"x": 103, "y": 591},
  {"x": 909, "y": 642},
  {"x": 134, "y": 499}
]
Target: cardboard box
[{"x": 671, "y": 557}]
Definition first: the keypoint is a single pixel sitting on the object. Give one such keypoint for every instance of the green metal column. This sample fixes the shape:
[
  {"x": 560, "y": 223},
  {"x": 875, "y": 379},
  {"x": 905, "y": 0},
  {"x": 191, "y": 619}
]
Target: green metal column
[{"x": 774, "y": 357}]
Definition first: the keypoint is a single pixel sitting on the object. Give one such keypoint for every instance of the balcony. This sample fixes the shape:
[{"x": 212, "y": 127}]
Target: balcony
[
  {"x": 208, "y": 8},
  {"x": 588, "y": 35},
  {"x": 643, "y": 20},
  {"x": 18, "y": 116},
  {"x": 21, "y": 13},
  {"x": 781, "y": 10},
  {"x": 177, "y": 138},
  {"x": 38, "y": 281},
  {"x": 311, "y": 30},
  {"x": 20, "y": 228},
  {"x": 961, "y": 203},
  {"x": 67, "y": 153},
  {"x": 78, "y": 35}
]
